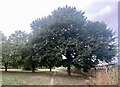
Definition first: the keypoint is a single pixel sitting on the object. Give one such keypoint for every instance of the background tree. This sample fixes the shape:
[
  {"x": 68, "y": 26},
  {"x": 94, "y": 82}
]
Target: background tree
[
  {"x": 5, "y": 51},
  {"x": 50, "y": 58},
  {"x": 45, "y": 50},
  {"x": 11, "y": 47},
  {"x": 105, "y": 40},
  {"x": 29, "y": 58}
]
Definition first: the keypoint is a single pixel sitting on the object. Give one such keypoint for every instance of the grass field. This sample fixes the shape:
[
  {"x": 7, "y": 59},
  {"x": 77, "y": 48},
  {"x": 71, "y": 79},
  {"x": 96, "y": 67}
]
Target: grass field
[
  {"x": 41, "y": 77},
  {"x": 57, "y": 77}
]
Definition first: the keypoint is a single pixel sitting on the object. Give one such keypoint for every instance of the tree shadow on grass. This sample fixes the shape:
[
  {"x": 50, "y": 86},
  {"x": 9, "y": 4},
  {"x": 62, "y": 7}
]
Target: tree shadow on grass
[
  {"x": 73, "y": 76},
  {"x": 42, "y": 73},
  {"x": 47, "y": 73}
]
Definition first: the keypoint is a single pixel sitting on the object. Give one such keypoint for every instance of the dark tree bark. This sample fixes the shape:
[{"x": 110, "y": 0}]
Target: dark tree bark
[
  {"x": 50, "y": 68},
  {"x": 32, "y": 64},
  {"x": 69, "y": 61},
  {"x": 68, "y": 70},
  {"x": 5, "y": 66},
  {"x": 33, "y": 68}
]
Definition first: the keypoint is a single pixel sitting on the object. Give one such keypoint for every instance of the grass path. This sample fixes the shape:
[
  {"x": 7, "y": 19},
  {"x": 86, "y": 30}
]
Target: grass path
[{"x": 52, "y": 79}]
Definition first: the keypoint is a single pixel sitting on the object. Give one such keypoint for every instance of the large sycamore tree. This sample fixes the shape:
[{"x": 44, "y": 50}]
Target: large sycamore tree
[{"x": 67, "y": 32}]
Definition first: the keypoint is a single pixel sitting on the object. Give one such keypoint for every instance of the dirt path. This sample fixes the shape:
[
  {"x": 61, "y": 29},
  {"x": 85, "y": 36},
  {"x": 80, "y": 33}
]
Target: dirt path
[{"x": 52, "y": 79}]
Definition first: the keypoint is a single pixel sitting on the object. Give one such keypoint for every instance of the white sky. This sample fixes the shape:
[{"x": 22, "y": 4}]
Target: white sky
[{"x": 19, "y": 14}]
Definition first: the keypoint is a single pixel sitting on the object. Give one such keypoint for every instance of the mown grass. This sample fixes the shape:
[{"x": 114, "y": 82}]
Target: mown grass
[
  {"x": 26, "y": 78},
  {"x": 0, "y": 79},
  {"x": 41, "y": 77}
]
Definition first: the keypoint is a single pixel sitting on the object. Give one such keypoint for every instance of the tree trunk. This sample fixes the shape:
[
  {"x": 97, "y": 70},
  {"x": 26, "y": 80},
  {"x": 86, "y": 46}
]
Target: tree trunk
[
  {"x": 32, "y": 64},
  {"x": 33, "y": 67},
  {"x": 50, "y": 68},
  {"x": 5, "y": 66},
  {"x": 68, "y": 70}
]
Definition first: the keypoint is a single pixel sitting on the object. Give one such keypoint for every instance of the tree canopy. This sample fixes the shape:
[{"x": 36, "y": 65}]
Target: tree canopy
[
  {"x": 11, "y": 49},
  {"x": 82, "y": 42}
]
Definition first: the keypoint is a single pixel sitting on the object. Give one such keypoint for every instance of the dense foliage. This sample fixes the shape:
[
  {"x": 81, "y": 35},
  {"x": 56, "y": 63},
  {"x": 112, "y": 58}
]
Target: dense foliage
[
  {"x": 82, "y": 42},
  {"x": 65, "y": 32}
]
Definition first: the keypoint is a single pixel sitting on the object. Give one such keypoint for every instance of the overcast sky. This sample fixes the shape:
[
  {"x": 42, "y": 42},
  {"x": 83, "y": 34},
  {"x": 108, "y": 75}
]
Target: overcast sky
[{"x": 19, "y": 14}]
